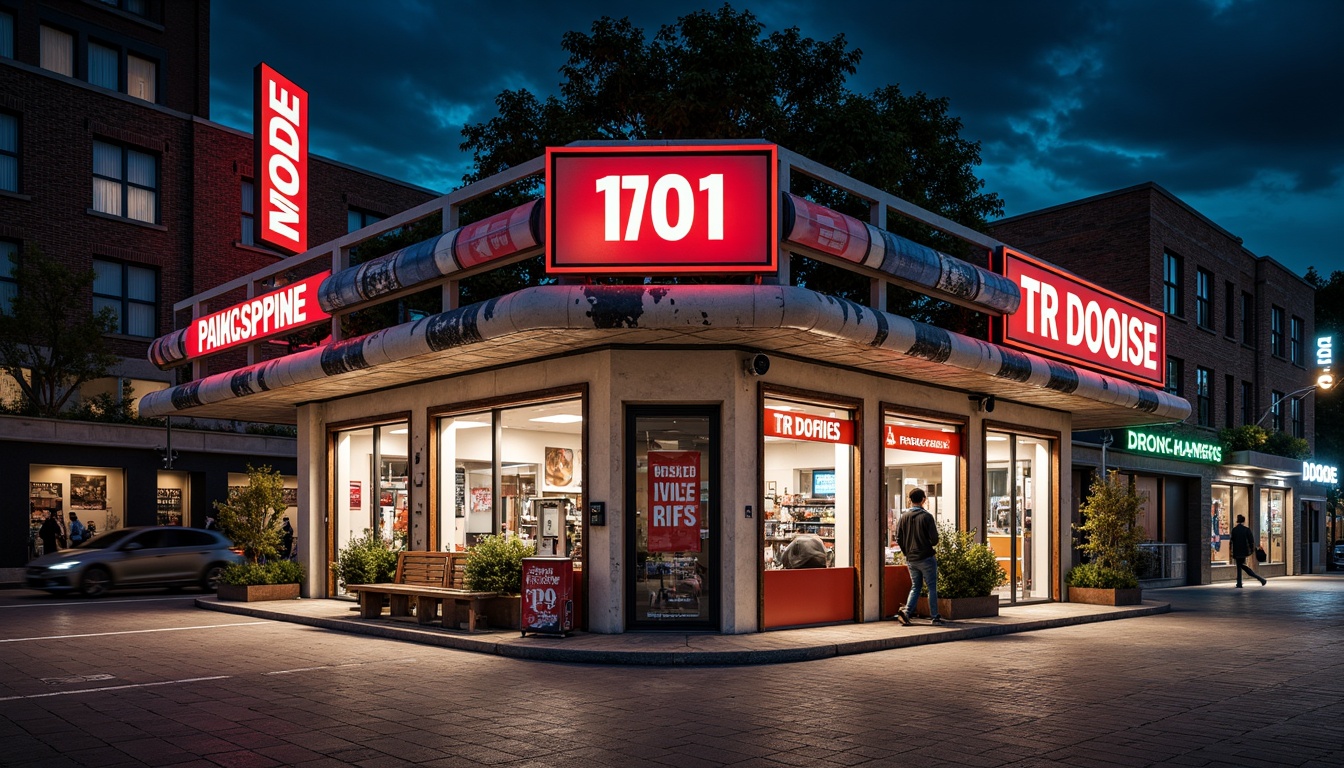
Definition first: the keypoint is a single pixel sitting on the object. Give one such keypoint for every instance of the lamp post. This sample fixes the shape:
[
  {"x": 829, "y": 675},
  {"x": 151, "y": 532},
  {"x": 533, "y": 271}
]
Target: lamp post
[{"x": 1303, "y": 392}]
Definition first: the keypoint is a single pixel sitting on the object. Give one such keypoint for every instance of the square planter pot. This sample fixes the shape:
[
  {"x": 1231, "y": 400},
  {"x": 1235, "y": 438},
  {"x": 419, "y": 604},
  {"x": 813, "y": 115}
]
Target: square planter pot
[
  {"x": 1092, "y": 596},
  {"x": 504, "y": 612},
  {"x": 256, "y": 592},
  {"x": 962, "y": 607}
]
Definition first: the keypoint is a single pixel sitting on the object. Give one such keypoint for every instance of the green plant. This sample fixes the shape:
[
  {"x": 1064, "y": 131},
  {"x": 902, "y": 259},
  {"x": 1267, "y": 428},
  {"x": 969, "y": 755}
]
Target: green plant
[
  {"x": 1109, "y": 534},
  {"x": 966, "y": 568},
  {"x": 251, "y": 516},
  {"x": 274, "y": 572},
  {"x": 496, "y": 565},
  {"x": 1093, "y": 576},
  {"x": 367, "y": 559}
]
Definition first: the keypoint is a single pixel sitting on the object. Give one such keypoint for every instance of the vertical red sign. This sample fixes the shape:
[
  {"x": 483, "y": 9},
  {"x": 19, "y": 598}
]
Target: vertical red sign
[
  {"x": 548, "y": 595},
  {"x": 356, "y": 494},
  {"x": 280, "y": 160},
  {"x": 674, "y": 501}
]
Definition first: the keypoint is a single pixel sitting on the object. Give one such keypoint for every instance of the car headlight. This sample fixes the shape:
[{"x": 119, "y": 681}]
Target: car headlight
[{"x": 65, "y": 566}]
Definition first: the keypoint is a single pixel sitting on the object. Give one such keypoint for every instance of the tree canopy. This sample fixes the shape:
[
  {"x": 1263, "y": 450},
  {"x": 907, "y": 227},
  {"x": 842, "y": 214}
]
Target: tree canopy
[{"x": 719, "y": 75}]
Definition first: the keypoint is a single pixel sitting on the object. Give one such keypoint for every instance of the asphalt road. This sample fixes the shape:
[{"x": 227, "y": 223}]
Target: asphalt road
[{"x": 1229, "y": 677}]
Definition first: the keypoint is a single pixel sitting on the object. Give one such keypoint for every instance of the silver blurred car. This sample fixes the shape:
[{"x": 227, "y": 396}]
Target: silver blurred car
[{"x": 159, "y": 556}]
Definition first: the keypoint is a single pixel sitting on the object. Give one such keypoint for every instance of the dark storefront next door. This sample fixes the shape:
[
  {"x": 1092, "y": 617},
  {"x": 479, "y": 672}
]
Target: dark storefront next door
[{"x": 672, "y": 539}]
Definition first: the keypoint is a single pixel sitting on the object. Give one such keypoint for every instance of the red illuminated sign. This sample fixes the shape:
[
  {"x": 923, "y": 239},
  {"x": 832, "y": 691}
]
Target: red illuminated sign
[
  {"x": 282, "y": 311},
  {"x": 665, "y": 209},
  {"x": 674, "y": 501},
  {"x": 1065, "y": 317},
  {"x": 922, "y": 440},
  {"x": 280, "y": 170},
  {"x": 805, "y": 426}
]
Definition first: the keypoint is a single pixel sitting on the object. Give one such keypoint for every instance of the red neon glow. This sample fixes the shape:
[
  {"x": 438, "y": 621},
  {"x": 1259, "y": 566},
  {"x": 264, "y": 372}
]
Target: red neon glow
[
  {"x": 1065, "y": 317},
  {"x": 658, "y": 210},
  {"x": 282, "y": 311},
  {"x": 280, "y": 131}
]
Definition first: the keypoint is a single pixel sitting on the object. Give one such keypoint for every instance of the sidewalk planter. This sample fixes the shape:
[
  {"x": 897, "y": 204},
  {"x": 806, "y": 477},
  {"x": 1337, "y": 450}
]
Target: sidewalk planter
[
  {"x": 257, "y": 592},
  {"x": 1095, "y": 596},
  {"x": 504, "y": 612},
  {"x": 961, "y": 607}
]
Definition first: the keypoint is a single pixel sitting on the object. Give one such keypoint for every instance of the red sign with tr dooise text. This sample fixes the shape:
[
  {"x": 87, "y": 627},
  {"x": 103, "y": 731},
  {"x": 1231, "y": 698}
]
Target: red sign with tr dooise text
[
  {"x": 807, "y": 426},
  {"x": 674, "y": 501}
]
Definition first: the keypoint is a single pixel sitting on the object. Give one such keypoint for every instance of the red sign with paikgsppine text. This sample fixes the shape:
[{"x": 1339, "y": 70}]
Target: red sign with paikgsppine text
[
  {"x": 806, "y": 426},
  {"x": 1067, "y": 318},
  {"x": 280, "y": 131},
  {"x": 662, "y": 209},
  {"x": 281, "y": 311},
  {"x": 674, "y": 501}
]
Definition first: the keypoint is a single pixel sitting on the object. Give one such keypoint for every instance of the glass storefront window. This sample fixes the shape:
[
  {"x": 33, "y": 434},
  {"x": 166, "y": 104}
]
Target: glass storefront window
[
  {"x": 1228, "y": 502},
  {"x": 1017, "y": 520},
  {"x": 1271, "y": 523},
  {"x": 809, "y": 482},
  {"x": 174, "y": 491},
  {"x": 95, "y": 495},
  {"x": 919, "y": 454},
  {"x": 372, "y": 495}
]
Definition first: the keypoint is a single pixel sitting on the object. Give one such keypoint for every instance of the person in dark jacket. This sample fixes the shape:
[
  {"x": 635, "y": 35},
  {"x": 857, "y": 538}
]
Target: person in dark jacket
[
  {"x": 49, "y": 532},
  {"x": 917, "y": 533},
  {"x": 1243, "y": 544},
  {"x": 286, "y": 540}
]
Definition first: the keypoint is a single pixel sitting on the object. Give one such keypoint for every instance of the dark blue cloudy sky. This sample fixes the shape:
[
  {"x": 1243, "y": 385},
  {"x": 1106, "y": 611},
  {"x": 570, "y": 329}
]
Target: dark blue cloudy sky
[{"x": 1235, "y": 106}]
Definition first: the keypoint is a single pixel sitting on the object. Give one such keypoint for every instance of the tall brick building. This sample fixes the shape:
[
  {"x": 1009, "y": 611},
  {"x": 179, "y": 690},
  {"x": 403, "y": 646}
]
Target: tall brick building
[
  {"x": 1240, "y": 348},
  {"x": 108, "y": 161}
]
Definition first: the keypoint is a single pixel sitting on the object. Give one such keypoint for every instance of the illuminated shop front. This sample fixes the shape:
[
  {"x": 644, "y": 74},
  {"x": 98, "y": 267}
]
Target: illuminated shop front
[{"x": 720, "y": 457}]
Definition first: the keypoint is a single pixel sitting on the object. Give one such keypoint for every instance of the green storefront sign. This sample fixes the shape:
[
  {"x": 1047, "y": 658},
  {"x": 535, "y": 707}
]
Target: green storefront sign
[{"x": 1173, "y": 447}]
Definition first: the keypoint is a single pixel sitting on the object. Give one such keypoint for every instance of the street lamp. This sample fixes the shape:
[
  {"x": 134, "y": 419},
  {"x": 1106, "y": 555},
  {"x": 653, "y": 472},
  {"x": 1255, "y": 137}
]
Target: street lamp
[{"x": 1303, "y": 392}]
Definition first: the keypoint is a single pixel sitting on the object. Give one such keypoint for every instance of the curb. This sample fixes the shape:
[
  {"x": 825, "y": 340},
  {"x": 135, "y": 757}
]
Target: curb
[{"x": 550, "y": 649}]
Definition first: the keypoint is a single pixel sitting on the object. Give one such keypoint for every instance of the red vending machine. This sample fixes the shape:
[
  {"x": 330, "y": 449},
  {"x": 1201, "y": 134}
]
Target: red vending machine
[{"x": 548, "y": 595}]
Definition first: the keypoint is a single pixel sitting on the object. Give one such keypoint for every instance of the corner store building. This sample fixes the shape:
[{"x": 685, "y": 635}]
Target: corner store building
[{"x": 486, "y": 418}]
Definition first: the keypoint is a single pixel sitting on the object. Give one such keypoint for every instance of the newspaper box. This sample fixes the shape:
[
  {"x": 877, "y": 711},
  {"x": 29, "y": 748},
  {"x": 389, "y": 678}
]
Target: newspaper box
[{"x": 548, "y": 595}]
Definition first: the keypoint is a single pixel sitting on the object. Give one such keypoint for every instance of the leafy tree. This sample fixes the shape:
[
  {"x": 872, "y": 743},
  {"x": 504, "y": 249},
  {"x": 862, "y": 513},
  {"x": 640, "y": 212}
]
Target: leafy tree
[
  {"x": 1109, "y": 535},
  {"x": 52, "y": 333},
  {"x": 250, "y": 517},
  {"x": 717, "y": 75},
  {"x": 1251, "y": 437}
]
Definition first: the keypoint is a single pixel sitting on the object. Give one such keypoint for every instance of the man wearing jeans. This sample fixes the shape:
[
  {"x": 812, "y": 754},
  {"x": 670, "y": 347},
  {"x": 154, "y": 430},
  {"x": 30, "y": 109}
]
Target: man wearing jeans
[{"x": 917, "y": 533}]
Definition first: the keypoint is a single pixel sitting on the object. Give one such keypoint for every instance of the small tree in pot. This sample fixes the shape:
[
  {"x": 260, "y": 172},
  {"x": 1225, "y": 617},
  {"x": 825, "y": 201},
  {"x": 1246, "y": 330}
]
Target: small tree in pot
[
  {"x": 968, "y": 573},
  {"x": 1109, "y": 536},
  {"x": 250, "y": 517},
  {"x": 367, "y": 559},
  {"x": 495, "y": 564}
]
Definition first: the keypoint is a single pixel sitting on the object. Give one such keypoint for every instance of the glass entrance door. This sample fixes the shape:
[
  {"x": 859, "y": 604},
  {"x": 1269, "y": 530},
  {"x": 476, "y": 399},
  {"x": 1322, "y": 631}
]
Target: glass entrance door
[
  {"x": 672, "y": 525},
  {"x": 1017, "y": 525}
]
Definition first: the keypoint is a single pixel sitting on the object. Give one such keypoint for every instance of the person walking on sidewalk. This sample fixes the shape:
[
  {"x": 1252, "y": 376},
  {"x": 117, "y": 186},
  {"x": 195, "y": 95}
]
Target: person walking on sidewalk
[
  {"x": 1243, "y": 544},
  {"x": 917, "y": 533}
]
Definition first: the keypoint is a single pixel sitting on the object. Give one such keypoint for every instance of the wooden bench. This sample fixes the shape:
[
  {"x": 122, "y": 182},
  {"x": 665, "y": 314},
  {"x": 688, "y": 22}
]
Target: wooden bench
[{"x": 431, "y": 580}]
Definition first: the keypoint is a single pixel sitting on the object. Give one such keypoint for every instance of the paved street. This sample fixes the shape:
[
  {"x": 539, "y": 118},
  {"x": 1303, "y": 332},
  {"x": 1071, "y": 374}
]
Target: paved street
[{"x": 1228, "y": 677}]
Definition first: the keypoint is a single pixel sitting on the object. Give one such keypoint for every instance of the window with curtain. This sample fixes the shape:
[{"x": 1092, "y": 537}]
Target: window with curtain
[
  {"x": 141, "y": 78},
  {"x": 249, "y": 233},
  {"x": 104, "y": 64},
  {"x": 9, "y": 264},
  {"x": 9, "y": 152},
  {"x": 356, "y": 218},
  {"x": 131, "y": 292},
  {"x": 6, "y": 35},
  {"x": 58, "y": 51},
  {"x": 125, "y": 182},
  {"x": 1204, "y": 396},
  {"x": 1204, "y": 298}
]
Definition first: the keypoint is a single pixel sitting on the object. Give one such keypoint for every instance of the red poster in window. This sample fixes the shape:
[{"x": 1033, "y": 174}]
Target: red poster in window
[
  {"x": 356, "y": 494},
  {"x": 674, "y": 501}
]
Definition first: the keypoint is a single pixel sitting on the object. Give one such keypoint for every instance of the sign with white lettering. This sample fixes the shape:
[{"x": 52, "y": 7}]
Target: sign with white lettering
[
  {"x": 805, "y": 426},
  {"x": 1325, "y": 361},
  {"x": 1065, "y": 317},
  {"x": 280, "y": 160},
  {"x": 548, "y": 595},
  {"x": 662, "y": 209},
  {"x": 674, "y": 501},
  {"x": 922, "y": 440},
  {"x": 1173, "y": 446},
  {"x": 1320, "y": 473},
  {"x": 281, "y": 311}
]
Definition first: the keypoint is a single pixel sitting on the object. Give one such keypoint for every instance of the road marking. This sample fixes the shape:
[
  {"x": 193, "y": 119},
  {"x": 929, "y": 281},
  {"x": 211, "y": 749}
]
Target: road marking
[
  {"x": 95, "y": 601},
  {"x": 115, "y": 688},
  {"x": 340, "y": 666},
  {"x": 133, "y": 632}
]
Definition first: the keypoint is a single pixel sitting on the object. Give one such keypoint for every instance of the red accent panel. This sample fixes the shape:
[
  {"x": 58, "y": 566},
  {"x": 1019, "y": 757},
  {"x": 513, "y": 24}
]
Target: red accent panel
[
  {"x": 496, "y": 237},
  {"x": 822, "y": 229},
  {"x": 809, "y": 596},
  {"x": 280, "y": 130},
  {"x": 895, "y": 588}
]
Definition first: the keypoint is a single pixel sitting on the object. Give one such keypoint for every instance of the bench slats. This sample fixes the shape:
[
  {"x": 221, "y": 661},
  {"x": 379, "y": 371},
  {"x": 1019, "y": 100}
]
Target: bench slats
[{"x": 427, "y": 579}]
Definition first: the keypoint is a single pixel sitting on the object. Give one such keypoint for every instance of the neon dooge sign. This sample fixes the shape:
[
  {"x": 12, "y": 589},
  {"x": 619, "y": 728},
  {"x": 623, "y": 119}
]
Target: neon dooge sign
[
  {"x": 1174, "y": 447},
  {"x": 1320, "y": 473}
]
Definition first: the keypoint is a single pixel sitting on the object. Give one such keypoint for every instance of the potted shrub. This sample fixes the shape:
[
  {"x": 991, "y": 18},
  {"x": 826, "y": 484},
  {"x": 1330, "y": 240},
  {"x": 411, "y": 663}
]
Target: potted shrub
[
  {"x": 367, "y": 559},
  {"x": 275, "y": 580},
  {"x": 1110, "y": 538},
  {"x": 495, "y": 564},
  {"x": 250, "y": 518},
  {"x": 968, "y": 573}
]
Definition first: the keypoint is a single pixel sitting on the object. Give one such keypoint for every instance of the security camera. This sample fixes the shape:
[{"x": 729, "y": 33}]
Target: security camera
[
  {"x": 983, "y": 403},
  {"x": 757, "y": 365}
]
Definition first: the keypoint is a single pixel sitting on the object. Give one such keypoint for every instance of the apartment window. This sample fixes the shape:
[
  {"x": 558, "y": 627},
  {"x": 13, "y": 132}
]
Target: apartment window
[
  {"x": 1175, "y": 368},
  {"x": 138, "y": 7},
  {"x": 1247, "y": 319},
  {"x": 1276, "y": 411},
  {"x": 1247, "y": 404},
  {"x": 1204, "y": 396},
  {"x": 1295, "y": 341},
  {"x": 141, "y": 78},
  {"x": 1204, "y": 298},
  {"x": 131, "y": 292},
  {"x": 6, "y": 35},
  {"x": 1230, "y": 309},
  {"x": 104, "y": 66},
  {"x": 9, "y": 152},
  {"x": 356, "y": 218},
  {"x": 58, "y": 51},
  {"x": 1276, "y": 331},
  {"x": 125, "y": 182},
  {"x": 249, "y": 214},
  {"x": 9, "y": 265},
  {"x": 1172, "y": 302},
  {"x": 1229, "y": 402},
  {"x": 1295, "y": 416}
]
